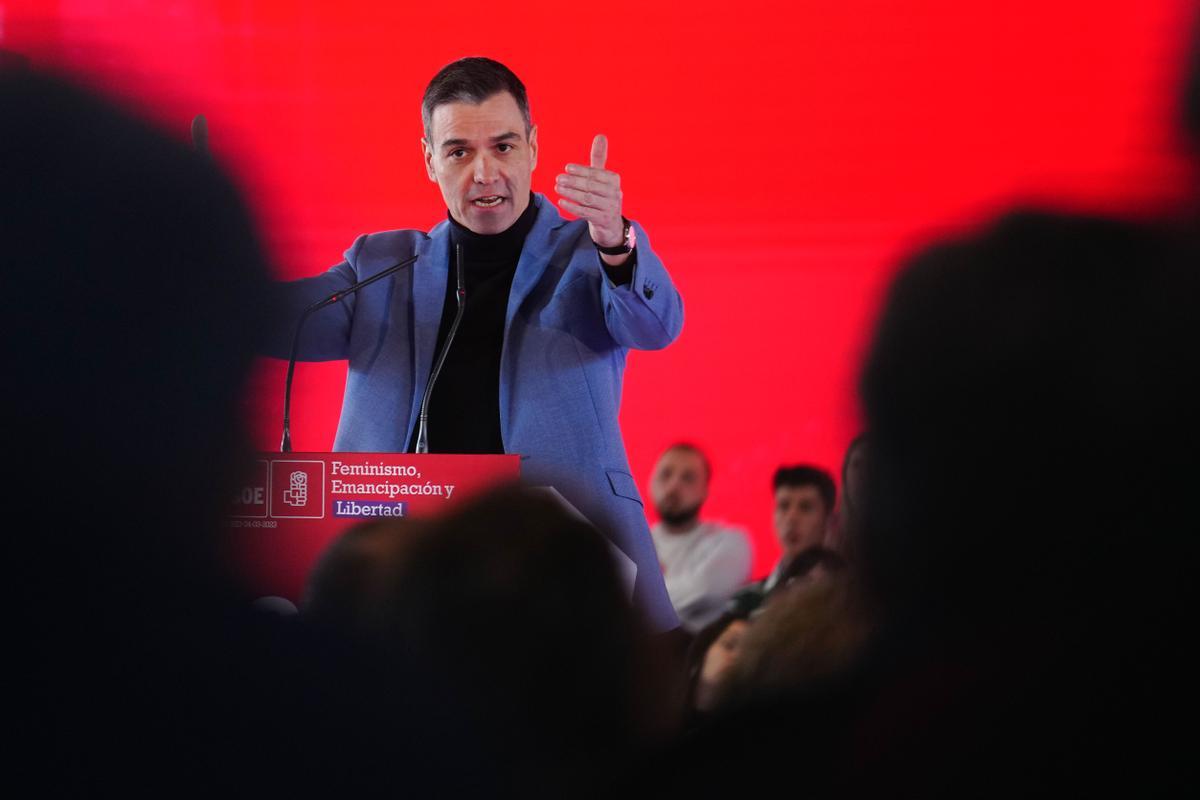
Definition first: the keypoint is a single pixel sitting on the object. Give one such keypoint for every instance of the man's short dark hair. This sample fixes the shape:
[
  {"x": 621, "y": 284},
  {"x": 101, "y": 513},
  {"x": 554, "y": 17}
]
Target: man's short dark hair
[
  {"x": 472, "y": 80},
  {"x": 688, "y": 447},
  {"x": 807, "y": 475}
]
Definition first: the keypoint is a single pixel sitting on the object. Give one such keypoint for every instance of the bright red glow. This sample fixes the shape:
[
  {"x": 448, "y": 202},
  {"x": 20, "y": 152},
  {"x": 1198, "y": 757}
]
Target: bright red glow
[{"x": 782, "y": 157}]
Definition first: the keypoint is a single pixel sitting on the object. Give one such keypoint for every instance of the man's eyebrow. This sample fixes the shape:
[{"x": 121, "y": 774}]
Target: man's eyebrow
[{"x": 503, "y": 137}]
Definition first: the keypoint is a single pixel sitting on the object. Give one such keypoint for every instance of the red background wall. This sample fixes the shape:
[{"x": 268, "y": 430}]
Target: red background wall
[{"x": 782, "y": 156}]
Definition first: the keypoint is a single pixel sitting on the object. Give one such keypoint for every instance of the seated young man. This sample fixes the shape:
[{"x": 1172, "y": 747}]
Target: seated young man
[{"x": 805, "y": 497}]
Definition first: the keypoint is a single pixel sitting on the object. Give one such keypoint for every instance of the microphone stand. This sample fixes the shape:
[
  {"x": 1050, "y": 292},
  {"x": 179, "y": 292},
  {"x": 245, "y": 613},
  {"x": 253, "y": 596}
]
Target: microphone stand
[
  {"x": 461, "y": 296},
  {"x": 286, "y": 445}
]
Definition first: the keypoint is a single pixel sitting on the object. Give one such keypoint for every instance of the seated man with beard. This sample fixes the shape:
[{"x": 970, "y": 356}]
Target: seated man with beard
[{"x": 703, "y": 562}]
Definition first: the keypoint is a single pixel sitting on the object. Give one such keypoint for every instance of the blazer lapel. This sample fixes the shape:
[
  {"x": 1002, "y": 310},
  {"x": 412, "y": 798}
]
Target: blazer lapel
[
  {"x": 429, "y": 295},
  {"x": 535, "y": 257}
]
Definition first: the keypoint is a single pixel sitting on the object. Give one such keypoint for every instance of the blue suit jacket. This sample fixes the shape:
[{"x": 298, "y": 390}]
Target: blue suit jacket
[{"x": 566, "y": 334}]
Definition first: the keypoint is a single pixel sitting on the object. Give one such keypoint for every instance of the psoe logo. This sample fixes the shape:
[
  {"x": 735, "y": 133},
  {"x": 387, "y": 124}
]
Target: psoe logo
[
  {"x": 297, "y": 489},
  {"x": 368, "y": 508},
  {"x": 297, "y": 494}
]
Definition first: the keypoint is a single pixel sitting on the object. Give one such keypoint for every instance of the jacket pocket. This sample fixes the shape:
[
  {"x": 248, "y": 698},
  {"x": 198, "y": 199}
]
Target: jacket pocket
[{"x": 623, "y": 485}]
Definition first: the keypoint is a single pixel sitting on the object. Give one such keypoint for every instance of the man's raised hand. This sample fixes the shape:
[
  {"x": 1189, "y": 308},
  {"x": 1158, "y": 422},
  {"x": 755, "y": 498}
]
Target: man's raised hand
[{"x": 593, "y": 193}]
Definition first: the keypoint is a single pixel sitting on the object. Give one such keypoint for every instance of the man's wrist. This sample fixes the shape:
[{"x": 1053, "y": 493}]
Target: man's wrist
[
  {"x": 622, "y": 248},
  {"x": 616, "y": 240}
]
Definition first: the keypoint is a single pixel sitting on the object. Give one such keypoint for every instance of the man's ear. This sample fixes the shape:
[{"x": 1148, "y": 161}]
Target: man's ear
[
  {"x": 532, "y": 148},
  {"x": 427, "y": 151}
]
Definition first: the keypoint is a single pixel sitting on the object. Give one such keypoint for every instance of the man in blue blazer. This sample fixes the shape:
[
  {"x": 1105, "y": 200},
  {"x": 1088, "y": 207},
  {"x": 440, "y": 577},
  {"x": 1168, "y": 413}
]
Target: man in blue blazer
[{"x": 552, "y": 308}]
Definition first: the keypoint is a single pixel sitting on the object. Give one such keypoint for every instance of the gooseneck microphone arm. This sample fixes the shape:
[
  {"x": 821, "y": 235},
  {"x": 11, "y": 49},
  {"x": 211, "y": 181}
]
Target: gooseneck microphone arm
[
  {"x": 461, "y": 296},
  {"x": 286, "y": 445}
]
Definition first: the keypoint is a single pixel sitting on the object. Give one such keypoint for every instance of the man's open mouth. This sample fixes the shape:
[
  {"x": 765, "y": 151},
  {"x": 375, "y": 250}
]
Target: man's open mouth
[{"x": 490, "y": 201}]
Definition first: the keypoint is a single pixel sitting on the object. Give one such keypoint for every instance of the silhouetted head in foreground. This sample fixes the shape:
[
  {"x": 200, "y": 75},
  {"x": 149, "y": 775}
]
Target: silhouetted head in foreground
[
  {"x": 518, "y": 602},
  {"x": 351, "y": 586},
  {"x": 135, "y": 293},
  {"x": 1026, "y": 541},
  {"x": 1030, "y": 394},
  {"x": 1028, "y": 521},
  {"x": 135, "y": 288}
]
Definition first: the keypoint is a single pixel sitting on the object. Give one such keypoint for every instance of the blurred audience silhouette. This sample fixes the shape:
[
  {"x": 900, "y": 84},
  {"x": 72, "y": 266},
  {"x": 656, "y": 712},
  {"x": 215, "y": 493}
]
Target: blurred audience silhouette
[
  {"x": 516, "y": 602},
  {"x": 1030, "y": 393},
  {"x": 138, "y": 663}
]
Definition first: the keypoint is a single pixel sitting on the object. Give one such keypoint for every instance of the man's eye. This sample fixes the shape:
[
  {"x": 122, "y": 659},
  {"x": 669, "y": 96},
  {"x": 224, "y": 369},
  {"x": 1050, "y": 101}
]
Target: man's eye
[
  {"x": 504, "y": 147},
  {"x": 459, "y": 153}
]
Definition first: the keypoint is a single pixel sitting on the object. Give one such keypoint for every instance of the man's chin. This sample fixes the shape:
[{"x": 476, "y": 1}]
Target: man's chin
[
  {"x": 680, "y": 519},
  {"x": 486, "y": 225},
  {"x": 490, "y": 220}
]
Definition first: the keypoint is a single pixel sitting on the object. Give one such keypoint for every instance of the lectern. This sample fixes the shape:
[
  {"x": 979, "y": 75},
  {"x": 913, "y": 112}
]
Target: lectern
[{"x": 294, "y": 504}]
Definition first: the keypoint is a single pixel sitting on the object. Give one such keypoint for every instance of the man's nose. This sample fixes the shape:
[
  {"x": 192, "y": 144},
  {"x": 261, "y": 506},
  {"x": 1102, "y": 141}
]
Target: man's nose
[{"x": 485, "y": 169}]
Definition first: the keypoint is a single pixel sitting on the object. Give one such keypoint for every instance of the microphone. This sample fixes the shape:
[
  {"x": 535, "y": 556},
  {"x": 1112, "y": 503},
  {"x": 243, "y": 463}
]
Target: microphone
[
  {"x": 285, "y": 446},
  {"x": 461, "y": 296},
  {"x": 200, "y": 135}
]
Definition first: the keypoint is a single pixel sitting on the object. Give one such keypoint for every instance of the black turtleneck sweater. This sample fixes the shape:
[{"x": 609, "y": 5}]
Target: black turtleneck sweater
[{"x": 464, "y": 409}]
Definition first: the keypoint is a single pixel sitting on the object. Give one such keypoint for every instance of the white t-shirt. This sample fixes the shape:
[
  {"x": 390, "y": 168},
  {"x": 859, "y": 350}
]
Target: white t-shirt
[{"x": 702, "y": 569}]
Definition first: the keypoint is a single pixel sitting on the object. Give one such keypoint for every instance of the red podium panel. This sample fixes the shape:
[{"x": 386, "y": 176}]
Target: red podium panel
[{"x": 294, "y": 504}]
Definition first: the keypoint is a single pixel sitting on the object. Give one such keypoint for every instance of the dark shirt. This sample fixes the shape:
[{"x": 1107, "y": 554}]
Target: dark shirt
[{"x": 464, "y": 409}]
